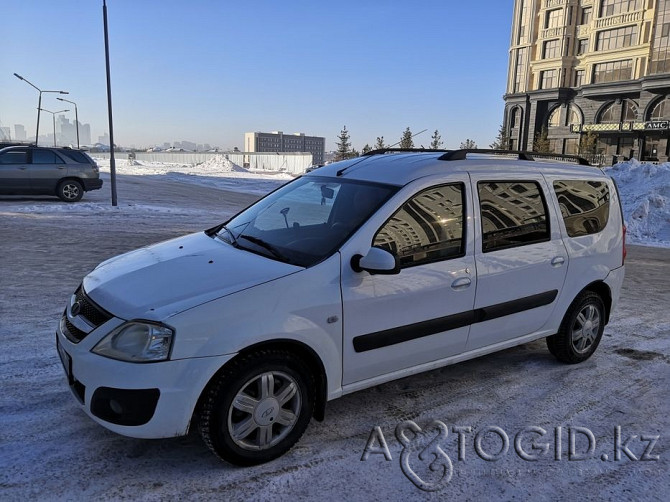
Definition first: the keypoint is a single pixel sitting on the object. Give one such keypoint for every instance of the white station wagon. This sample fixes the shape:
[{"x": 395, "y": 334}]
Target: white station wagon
[{"x": 357, "y": 273}]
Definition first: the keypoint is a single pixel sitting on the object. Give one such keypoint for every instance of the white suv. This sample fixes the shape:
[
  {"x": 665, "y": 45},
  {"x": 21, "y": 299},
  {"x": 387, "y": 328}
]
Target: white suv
[{"x": 357, "y": 273}]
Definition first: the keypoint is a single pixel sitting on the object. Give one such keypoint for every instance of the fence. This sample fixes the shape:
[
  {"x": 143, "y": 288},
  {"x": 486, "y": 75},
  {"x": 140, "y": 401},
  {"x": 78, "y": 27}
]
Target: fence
[{"x": 293, "y": 163}]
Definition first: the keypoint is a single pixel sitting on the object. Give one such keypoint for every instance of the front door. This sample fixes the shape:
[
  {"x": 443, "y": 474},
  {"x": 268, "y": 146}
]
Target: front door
[
  {"x": 422, "y": 314},
  {"x": 14, "y": 172}
]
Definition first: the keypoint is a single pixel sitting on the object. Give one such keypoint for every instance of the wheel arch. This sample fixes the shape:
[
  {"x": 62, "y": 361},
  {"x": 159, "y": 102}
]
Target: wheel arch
[
  {"x": 603, "y": 290},
  {"x": 306, "y": 353}
]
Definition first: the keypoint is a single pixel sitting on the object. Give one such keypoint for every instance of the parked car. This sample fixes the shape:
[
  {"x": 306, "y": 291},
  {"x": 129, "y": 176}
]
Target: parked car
[
  {"x": 359, "y": 273},
  {"x": 30, "y": 170}
]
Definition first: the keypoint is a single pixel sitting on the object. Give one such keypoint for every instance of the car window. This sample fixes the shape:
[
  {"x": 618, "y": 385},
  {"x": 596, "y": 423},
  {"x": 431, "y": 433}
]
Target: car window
[
  {"x": 427, "y": 228},
  {"x": 584, "y": 205},
  {"x": 14, "y": 157},
  {"x": 46, "y": 157},
  {"x": 306, "y": 220},
  {"x": 513, "y": 213},
  {"x": 77, "y": 156}
]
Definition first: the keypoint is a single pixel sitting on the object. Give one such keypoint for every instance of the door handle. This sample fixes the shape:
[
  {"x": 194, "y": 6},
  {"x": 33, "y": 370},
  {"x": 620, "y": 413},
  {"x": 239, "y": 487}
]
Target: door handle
[
  {"x": 23, "y": 168},
  {"x": 558, "y": 261},
  {"x": 461, "y": 283},
  {"x": 61, "y": 168}
]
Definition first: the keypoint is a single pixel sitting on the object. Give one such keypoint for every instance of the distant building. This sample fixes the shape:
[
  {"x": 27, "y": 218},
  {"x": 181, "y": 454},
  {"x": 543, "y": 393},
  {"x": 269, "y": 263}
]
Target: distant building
[
  {"x": 20, "y": 132},
  {"x": 5, "y": 133},
  {"x": 591, "y": 67},
  {"x": 277, "y": 141}
]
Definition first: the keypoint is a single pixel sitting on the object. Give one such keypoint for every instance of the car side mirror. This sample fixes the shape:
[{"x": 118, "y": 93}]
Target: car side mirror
[{"x": 377, "y": 261}]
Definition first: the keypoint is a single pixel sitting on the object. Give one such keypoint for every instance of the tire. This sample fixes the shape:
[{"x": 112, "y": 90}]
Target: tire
[
  {"x": 580, "y": 331},
  {"x": 70, "y": 191},
  {"x": 258, "y": 407}
]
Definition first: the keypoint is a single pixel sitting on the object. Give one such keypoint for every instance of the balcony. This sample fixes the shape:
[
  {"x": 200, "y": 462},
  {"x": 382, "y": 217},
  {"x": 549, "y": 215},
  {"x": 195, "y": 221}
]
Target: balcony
[
  {"x": 628, "y": 17},
  {"x": 556, "y": 32}
]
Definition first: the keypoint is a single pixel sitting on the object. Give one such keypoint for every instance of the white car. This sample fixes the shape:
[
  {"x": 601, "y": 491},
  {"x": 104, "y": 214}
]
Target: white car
[{"x": 361, "y": 272}]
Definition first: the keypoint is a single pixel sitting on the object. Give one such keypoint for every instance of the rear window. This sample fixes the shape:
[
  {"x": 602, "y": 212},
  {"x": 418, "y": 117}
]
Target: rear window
[
  {"x": 46, "y": 157},
  {"x": 513, "y": 213},
  {"x": 584, "y": 205},
  {"x": 77, "y": 156}
]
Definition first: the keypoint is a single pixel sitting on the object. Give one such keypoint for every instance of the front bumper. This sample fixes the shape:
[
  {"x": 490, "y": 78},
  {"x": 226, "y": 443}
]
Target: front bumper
[{"x": 142, "y": 400}]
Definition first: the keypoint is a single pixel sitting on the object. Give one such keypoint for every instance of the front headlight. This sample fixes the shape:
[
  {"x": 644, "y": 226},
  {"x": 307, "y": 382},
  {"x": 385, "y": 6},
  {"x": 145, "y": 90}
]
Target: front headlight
[{"x": 137, "y": 342}]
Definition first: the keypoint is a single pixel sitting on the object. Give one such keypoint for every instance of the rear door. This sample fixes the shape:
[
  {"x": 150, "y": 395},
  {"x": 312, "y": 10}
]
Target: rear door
[
  {"x": 520, "y": 256},
  {"x": 46, "y": 170},
  {"x": 14, "y": 171},
  {"x": 422, "y": 314}
]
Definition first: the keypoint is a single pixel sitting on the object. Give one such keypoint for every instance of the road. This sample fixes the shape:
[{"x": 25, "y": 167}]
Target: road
[{"x": 50, "y": 450}]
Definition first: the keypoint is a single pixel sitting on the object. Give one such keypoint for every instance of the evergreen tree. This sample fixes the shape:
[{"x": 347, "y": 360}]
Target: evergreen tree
[
  {"x": 541, "y": 143},
  {"x": 406, "y": 139},
  {"x": 343, "y": 145},
  {"x": 502, "y": 140},
  {"x": 380, "y": 143},
  {"x": 468, "y": 144},
  {"x": 354, "y": 153},
  {"x": 436, "y": 140},
  {"x": 587, "y": 143},
  {"x": 367, "y": 148}
]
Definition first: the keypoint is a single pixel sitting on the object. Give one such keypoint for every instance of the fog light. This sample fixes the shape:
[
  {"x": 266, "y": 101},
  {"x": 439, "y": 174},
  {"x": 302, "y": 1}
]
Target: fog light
[{"x": 116, "y": 407}]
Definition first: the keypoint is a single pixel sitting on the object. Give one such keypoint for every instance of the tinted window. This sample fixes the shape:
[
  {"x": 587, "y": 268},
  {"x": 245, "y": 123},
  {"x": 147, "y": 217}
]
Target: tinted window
[
  {"x": 427, "y": 228},
  {"x": 584, "y": 205},
  {"x": 80, "y": 157},
  {"x": 14, "y": 157},
  {"x": 513, "y": 214},
  {"x": 46, "y": 157}
]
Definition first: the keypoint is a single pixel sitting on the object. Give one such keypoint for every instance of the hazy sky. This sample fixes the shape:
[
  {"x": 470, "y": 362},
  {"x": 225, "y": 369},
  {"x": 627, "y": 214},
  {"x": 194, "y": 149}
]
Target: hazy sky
[{"x": 208, "y": 71}]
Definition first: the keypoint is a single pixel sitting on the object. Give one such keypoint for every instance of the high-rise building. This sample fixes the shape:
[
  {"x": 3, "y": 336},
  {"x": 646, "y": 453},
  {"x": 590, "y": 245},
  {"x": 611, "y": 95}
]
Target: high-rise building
[
  {"x": 277, "y": 141},
  {"x": 593, "y": 74},
  {"x": 19, "y": 132}
]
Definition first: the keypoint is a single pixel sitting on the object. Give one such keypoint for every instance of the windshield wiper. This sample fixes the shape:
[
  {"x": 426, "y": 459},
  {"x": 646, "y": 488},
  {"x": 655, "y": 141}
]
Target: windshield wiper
[
  {"x": 233, "y": 241},
  {"x": 267, "y": 246}
]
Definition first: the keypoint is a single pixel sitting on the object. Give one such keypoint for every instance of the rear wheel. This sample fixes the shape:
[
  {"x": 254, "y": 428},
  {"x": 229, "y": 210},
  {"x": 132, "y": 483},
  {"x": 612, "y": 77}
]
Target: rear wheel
[
  {"x": 581, "y": 329},
  {"x": 70, "y": 191},
  {"x": 258, "y": 407}
]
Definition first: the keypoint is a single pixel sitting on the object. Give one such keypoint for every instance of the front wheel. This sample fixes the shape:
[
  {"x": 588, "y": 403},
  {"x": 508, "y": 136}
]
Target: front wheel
[
  {"x": 70, "y": 191},
  {"x": 258, "y": 407},
  {"x": 580, "y": 331}
]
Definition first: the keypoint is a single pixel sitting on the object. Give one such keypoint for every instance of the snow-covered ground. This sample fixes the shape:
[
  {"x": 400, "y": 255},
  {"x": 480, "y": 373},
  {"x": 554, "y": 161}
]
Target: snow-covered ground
[{"x": 50, "y": 450}]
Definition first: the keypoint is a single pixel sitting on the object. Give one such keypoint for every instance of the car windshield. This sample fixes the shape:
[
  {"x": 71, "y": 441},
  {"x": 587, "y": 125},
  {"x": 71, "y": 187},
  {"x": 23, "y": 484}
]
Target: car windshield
[{"x": 307, "y": 220}]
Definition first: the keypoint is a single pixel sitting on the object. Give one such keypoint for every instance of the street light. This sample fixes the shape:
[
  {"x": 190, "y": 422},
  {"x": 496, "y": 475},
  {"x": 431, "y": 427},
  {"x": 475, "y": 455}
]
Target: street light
[
  {"x": 53, "y": 115},
  {"x": 39, "y": 102},
  {"x": 76, "y": 117}
]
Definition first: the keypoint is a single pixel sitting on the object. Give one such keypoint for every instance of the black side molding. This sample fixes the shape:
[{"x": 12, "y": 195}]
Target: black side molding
[{"x": 392, "y": 336}]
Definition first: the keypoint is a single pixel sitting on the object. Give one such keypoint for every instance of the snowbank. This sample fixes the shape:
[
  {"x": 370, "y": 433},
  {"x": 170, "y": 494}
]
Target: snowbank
[{"x": 645, "y": 196}]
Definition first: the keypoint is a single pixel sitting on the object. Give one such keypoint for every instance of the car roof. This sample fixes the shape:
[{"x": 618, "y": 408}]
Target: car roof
[{"x": 402, "y": 167}]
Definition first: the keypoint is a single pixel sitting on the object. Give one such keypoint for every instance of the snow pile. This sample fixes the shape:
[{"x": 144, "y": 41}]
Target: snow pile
[
  {"x": 645, "y": 196},
  {"x": 219, "y": 164}
]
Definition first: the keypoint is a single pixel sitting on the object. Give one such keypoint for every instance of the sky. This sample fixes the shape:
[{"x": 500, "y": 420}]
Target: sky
[{"x": 207, "y": 71}]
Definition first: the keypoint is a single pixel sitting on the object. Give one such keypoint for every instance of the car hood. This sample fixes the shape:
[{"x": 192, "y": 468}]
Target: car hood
[{"x": 164, "y": 279}]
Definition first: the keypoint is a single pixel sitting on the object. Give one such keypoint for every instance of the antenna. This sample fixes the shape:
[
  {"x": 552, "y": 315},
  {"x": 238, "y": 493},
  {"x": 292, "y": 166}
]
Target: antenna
[{"x": 394, "y": 144}]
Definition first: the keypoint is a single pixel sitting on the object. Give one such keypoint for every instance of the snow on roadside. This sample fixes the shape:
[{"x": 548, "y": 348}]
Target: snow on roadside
[{"x": 645, "y": 196}]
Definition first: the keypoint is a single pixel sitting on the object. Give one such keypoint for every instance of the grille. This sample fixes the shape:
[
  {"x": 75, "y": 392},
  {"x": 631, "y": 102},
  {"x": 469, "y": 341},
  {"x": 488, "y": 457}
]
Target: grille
[
  {"x": 89, "y": 310},
  {"x": 73, "y": 333}
]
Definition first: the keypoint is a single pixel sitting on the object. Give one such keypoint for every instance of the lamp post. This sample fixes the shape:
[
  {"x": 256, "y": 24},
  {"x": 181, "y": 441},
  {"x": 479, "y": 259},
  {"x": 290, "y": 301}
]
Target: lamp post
[
  {"x": 39, "y": 102},
  {"x": 53, "y": 115},
  {"x": 76, "y": 117}
]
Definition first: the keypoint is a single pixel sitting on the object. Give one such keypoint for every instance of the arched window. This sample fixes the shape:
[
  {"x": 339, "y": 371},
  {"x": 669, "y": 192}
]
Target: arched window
[
  {"x": 611, "y": 114},
  {"x": 661, "y": 110},
  {"x": 554, "y": 119},
  {"x": 514, "y": 117},
  {"x": 616, "y": 112},
  {"x": 574, "y": 117},
  {"x": 629, "y": 111}
]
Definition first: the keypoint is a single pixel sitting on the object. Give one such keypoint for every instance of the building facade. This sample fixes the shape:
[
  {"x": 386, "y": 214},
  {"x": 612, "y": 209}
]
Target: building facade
[
  {"x": 593, "y": 75},
  {"x": 279, "y": 142}
]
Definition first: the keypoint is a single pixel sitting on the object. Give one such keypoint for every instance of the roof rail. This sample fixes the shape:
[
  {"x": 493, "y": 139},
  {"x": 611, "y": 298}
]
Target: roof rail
[
  {"x": 521, "y": 155},
  {"x": 407, "y": 150}
]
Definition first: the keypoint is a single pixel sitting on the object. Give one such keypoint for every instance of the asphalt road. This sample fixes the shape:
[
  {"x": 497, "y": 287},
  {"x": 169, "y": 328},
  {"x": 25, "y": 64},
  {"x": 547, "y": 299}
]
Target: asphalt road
[{"x": 618, "y": 401}]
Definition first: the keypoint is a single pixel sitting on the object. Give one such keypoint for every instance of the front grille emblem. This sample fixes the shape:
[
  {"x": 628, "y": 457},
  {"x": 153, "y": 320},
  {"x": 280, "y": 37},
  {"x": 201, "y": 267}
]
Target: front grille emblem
[{"x": 75, "y": 309}]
